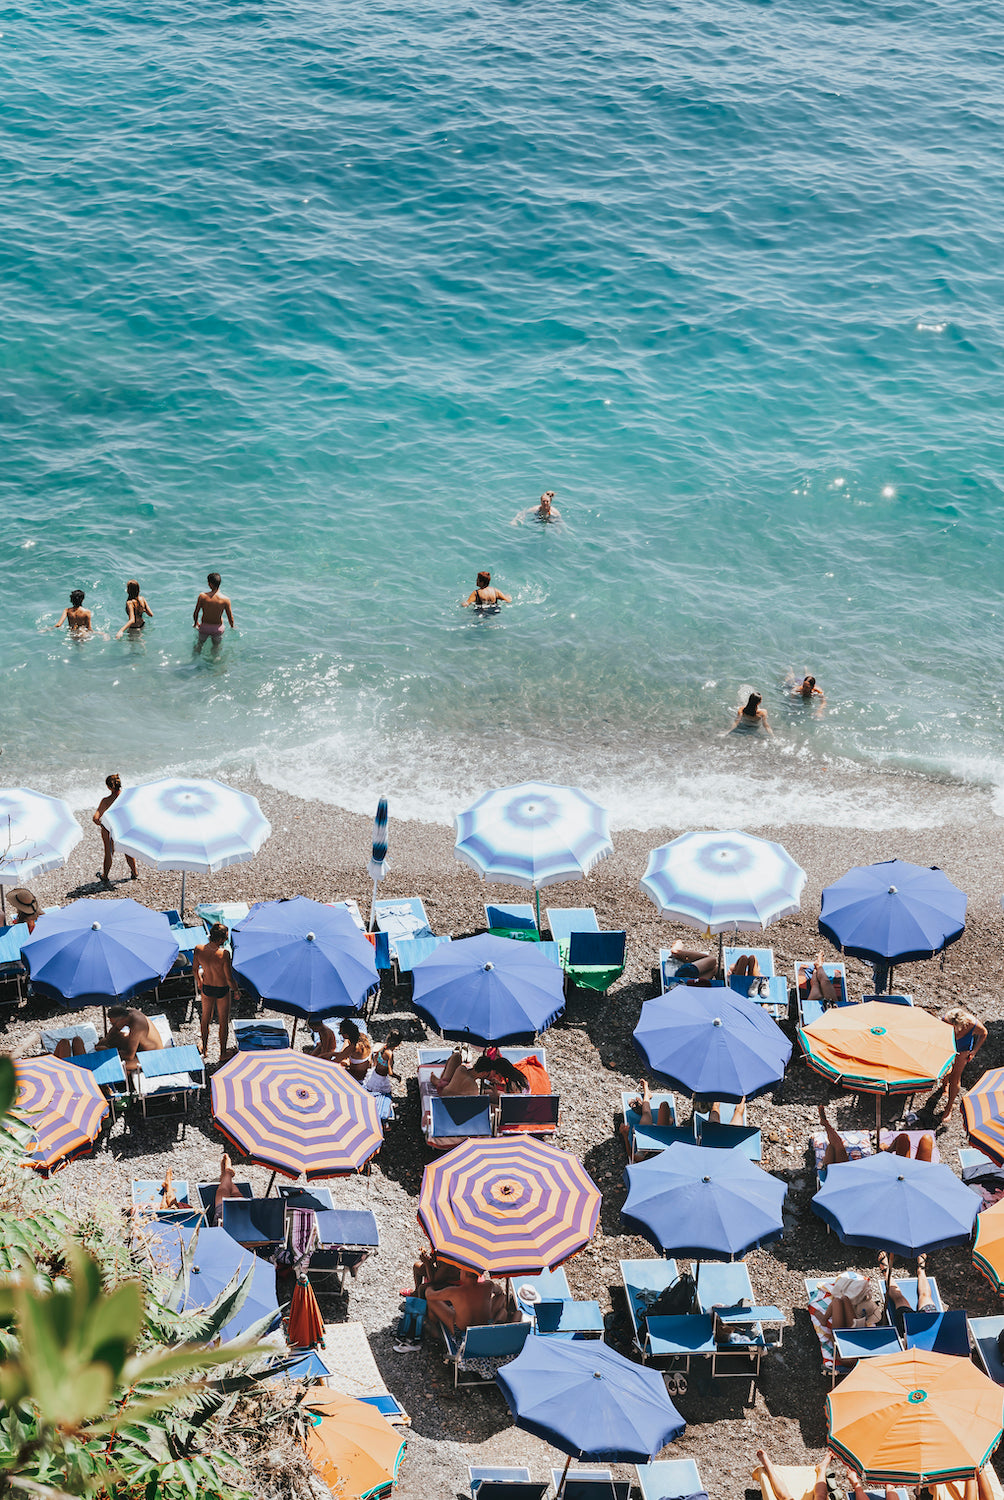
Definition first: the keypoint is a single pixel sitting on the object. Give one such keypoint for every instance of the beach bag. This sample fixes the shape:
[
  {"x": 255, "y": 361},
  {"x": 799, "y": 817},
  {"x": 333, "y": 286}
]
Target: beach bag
[
  {"x": 674, "y": 1301},
  {"x": 412, "y": 1321}
]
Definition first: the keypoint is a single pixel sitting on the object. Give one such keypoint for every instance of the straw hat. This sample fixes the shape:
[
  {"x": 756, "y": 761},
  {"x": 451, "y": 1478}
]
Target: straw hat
[{"x": 24, "y": 902}]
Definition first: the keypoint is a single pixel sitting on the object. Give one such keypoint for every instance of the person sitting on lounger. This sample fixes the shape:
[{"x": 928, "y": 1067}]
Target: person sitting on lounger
[
  {"x": 781, "y": 1489},
  {"x": 168, "y": 1197},
  {"x": 747, "y": 966},
  {"x": 429, "y": 1270},
  {"x": 970, "y": 1034},
  {"x": 380, "y": 1074},
  {"x": 693, "y": 963},
  {"x": 858, "y": 1301},
  {"x": 228, "y": 1187},
  {"x": 354, "y": 1053},
  {"x": 900, "y": 1145},
  {"x": 130, "y": 1032},
  {"x": 821, "y": 986},
  {"x": 327, "y": 1041},
  {"x": 468, "y": 1304},
  {"x": 491, "y": 1070},
  {"x": 69, "y": 1047}
]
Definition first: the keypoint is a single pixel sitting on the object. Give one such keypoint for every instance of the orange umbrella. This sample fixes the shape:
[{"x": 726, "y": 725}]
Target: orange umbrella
[
  {"x": 353, "y": 1448},
  {"x": 988, "y": 1250},
  {"x": 878, "y": 1048},
  {"x": 915, "y": 1418},
  {"x": 305, "y": 1326}
]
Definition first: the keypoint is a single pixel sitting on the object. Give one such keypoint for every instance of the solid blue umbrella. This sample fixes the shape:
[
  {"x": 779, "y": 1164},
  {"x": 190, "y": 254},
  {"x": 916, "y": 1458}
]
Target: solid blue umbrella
[
  {"x": 305, "y": 958},
  {"x": 589, "y": 1401},
  {"x": 714, "y": 1044},
  {"x": 211, "y": 1260},
  {"x": 893, "y": 912},
  {"x": 92, "y": 951},
  {"x": 697, "y": 1201},
  {"x": 894, "y": 1203},
  {"x": 488, "y": 989}
]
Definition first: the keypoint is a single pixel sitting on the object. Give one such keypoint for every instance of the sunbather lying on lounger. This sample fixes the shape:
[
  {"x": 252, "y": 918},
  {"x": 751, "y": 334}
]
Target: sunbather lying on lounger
[
  {"x": 643, "y": 1107},
  {"x": 821, "y": 986},
  {"x": 693, "y": 963},
  {"x": 858, "y": 1301},
  {"x": 490, "y": 1068},
  {"x": 900, "y": 1145},
  {"x": 65, "y": 1048},
  {"x": 228, "y": 1187},
  {"x": 168, "y": 1197},
  {"x": 780, "y": 1488}
]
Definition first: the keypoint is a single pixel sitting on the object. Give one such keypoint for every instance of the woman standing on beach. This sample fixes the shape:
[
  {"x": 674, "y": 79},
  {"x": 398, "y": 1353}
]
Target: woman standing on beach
[
  {"x": 136, "y": 608},
  {"x": 970, "y": 1034}
]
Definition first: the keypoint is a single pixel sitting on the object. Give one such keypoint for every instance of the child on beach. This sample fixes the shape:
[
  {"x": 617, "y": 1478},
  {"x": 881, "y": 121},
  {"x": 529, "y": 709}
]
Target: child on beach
[{"x": 378, "y": 1078}]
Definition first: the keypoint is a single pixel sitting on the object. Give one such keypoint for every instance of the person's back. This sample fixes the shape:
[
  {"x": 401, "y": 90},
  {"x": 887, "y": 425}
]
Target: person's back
[
  {"x": 486, "y": 599},
  {"x": 75, "y": 616},
  {"x": 211, "y": 608}
]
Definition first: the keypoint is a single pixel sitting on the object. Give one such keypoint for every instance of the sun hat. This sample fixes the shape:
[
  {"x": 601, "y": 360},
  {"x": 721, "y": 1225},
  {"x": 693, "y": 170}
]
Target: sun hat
[{"x": 25, "y": 902}]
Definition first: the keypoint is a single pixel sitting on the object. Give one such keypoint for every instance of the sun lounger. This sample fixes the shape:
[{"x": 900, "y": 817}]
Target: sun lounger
[
  {"x": 12, "y": 965},
  {"x": 898, "y": 999},
  {"x": 227, "y": 912},
  {"x": 402, "y": 917},
  {"x": 775, "y": 1003},
  {"x": 567, "y": 1318},
  {"x": 818, "y": 1293},
  {"x": 170, "y": 1080},
  {"x": 937, "y": 1332},
  {"x": 643, "y": 1281},
  {"x": 260, "y": 1035},
  {"x": 594, "y": 960},
  {"x": 207, "y": 1197},
  {"x": 726, "y": 1136},
  {"x": 528, "y": 1114},
  {"x": 564, "y": 920},
  {"x": 764, "y": 958},
  {"x": 254, "y": 1222},
  {"x": 347, "y": 1237},
  {"x": 809, "y": 1011},
  {"x": 669, "y": 1479},
  {"x": 647, "y": 1140},
  {"x": 984, "y": 1333},
  {"x": 477, "y": 1353},
  {"x": 346, "y": 1352},
  {"x": 799, "y": 1480},
  {"x": 413, "y": 951},
  {"x": 505, "y": 1484},
  {"x": 453, "y": 1120},
  {"x": 105, "y": 1067},
  {"x": 430, "y": 1064},
  {"x": 146, "y": 1198},
  {"x": 295, "y": 1195},
  {"x": 861, "y": 1143},
  {"x": 854, "y": 1344},
  {"x": 53, "y": 1035},
  {"x": 670, "y": 977},
  {"x": 589, "y": 1484},
  {"x": 503, "y": 919}
]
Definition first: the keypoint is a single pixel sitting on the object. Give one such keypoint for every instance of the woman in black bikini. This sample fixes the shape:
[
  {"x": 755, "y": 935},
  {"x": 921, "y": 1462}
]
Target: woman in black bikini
[
  {"x": 485, "y": 599},
  {"x": 752, "y": 716},
  {"x": 136, "y": 608}
]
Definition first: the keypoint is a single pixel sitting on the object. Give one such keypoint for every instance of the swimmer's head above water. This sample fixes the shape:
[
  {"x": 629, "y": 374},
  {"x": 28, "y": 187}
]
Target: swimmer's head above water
[
  {"x": 76, "y": 598},
  {"x": 132, "y": 589},
  {"x": 752, "y": 704},
  {"x": 484, "y": 579}
]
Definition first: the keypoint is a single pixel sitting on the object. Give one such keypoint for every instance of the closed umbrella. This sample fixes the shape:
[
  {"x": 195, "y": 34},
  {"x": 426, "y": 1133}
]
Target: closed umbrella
[
  {"x": 713, "y": 1044},
  {"x": 378, "y": 854},
  {"x": 589, "y": 1401},
  {"x": 488, "y": 989},
  {"x": 893, "y": 912},
  {"x": 510, "y": 1206},
  {"x": 187, "y": 824},
  {"x": 305, "y": 1326},
  {"x": 915, "y": 1418},
  {"x": 295, "y": 1113},
  {"x": 93, "y": 952},
  {"x": 713, "y": 1205},
  {"x": 983, "y": 1114},
  {"x": 37, "y": 834},
  {"x": 63, "y": 1107},
  {"x": 533, "y": 835},
  {"x": 304, "y": 958},
  {"x": 894, "y": 1203},
  {"x": 354, "y": 1449}
]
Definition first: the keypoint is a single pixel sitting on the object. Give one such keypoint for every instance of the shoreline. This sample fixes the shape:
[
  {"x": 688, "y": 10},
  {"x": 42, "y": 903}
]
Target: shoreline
[{"x": 321, "y": 851}]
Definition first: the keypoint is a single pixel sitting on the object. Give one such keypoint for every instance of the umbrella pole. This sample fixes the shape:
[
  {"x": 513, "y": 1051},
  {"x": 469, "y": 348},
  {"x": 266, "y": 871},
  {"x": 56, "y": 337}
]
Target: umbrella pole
[
  {"x": 561, "y": 1486},
  {"x": 296, "y": 1022},
  {"x": 369, "y": 925},
  {"x": 182, "y": 912},
  {"x": 536, "y": 892},
  {"x": 878, "y": 1121},
  {"x": 721, "y": 957},
  {"x": 271, "y": 1183}
]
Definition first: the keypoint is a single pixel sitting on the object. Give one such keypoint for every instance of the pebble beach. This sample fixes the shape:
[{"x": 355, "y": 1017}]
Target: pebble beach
[{"x": 321, "y": 851}]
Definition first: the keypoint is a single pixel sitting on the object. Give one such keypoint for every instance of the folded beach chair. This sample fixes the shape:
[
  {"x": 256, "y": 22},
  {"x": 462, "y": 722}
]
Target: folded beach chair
[
  {"x": 590, "y": 1484},
  {"x": 476, "y": 1354},
  {"x": 937, "y": 1332},
  {"x": 669, "y": 1479},
  {"x": 528, "y": 1114},
  {"x": 346, "y": 1352},
  {"x": 985, "y": 1333},
  {"x": 809, "y": 1011},
  {"x": 505, "y": 919},
  {"x": 505, "y": 1484},
  {"x": 594, "y": 960}
]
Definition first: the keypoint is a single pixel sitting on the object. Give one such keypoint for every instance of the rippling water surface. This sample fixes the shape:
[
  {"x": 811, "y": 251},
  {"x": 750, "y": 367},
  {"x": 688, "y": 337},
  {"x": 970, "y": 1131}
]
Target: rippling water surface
[{"x": 324, "y": 295}]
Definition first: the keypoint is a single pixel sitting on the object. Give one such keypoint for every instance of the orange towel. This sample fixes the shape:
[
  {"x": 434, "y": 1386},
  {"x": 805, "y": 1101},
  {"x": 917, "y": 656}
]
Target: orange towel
[{"x": 535, "y": 1074}]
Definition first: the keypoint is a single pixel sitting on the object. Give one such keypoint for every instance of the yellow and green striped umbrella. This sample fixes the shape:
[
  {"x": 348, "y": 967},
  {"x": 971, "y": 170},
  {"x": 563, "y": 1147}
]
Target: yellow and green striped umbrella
[
  {"x": 877, "y": 1048},
  {"x": 508, "y": 1206},
  {"x": 63, "y": 1106}
]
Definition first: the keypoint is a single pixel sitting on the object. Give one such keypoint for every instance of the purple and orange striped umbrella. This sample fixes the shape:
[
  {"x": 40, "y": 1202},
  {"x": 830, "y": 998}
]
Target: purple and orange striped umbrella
[
  {"x": 508, "y": 1206},
  {"x": 983, "y": 1114},
  {"x": 296, "y": 1114},
  {"x": 62, "y": 1104}
]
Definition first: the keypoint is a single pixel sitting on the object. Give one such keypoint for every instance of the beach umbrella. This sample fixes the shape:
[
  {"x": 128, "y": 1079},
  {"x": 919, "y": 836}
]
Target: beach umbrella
[
  {"x": 692, "y": 1200},
  {"x": 187, "y": 824},
  {"x": 508, "y": 1206},
  {"x": 983, "y": 1114},
  {"x": 589, "y": 1401},
  {"x": 893, "y": 912},
  {"x": 914, "y": 1418},
  {"x": 878, "y": 1048},
  {"x": 378, "y": 855},
  {"x": 988, "y": 1247},
  {"x": 354, "y": 1449},
  {"x": 533, "y": 835},
  {"x": 63, "y": 1107},
  {"x": 713, "y": 1044},
  {"x": 305, "y": 1326},
  {"x": 304, "y": 958},
  {"x": 488, "y": 989},
  {"x": 210, "y": 1260},
  {"x": 894, "y": 1203},
  {"x": 95, "y": 951},
  {"x": 36, "y": 835},
  {"x": 298, "y": 1115}
]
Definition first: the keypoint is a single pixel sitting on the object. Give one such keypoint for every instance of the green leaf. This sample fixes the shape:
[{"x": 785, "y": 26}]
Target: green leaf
[{"x": 8, "y": 1084}]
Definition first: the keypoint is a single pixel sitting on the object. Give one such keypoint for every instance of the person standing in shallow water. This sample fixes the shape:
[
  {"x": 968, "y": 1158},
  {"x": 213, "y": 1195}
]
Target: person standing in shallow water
[
  {"x": 74, "y": 615},
  {"x": 114, "y": 785},
  {"x": 136, "y": 610},
  {"x": 212, "y": 606},
  {"x": 485, "y": 599}
]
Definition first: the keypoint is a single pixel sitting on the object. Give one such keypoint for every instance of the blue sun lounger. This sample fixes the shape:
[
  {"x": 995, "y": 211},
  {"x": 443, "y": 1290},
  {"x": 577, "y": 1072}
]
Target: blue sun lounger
[
  {"x": 669, "y": 1479},
  {"x": 590, "y": 1484}
]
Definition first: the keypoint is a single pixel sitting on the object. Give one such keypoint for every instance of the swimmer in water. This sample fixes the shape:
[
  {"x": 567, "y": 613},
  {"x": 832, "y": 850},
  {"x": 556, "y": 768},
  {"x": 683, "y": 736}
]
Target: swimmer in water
[
  {"x": 751, "y": 717},
  {"x": 212, "y": 606},
  {"x": 544, "y": 511},
  {"x": 485, "y": 599},
  {"x": 76, "y": 618},
  {"x": 806, "y": 689},
  {"x": 136, "y": 608}
]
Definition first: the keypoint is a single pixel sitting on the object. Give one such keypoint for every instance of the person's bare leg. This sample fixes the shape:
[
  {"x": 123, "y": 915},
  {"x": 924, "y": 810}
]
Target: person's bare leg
[
  {"x": 62, "y": 1049},
  {"x": 923, "y": 1285},
  {"x": 665, "y": 1114},
  {"x": 739, "y": 1113},
  {"x": 440, "y": 1080},
  {"x": 687, "y": 955},
  {"x": 77, "y": 1048},
  {"x": 132, "y": 866},
  {"x": 899, "y": 1146},
  {"x": 955, "y": 1083},
  {"x": 775, "y": 1481},
  {"x": 819, "y": 1488},
  {"x": 207, "y": 1011},
  {"x": 223, "y": 1018},
  {"x": 925, "y": 1147},
  {"x": 836, "y": 1151}
]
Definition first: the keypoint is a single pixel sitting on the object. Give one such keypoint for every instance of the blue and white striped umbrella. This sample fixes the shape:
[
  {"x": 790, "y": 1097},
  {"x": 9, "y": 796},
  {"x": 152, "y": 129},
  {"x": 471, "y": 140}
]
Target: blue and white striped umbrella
[
  {"x": 36, "y": 834},
  {"x": 378, "y": 857},
  {"x": 176, "y": 824},
  {"x": 533, "y": 835},
  {"x": 723, "y": 882}
]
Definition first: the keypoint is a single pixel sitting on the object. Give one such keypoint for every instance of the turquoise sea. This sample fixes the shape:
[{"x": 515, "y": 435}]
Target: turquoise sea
[{"x": 323, "y": 295}]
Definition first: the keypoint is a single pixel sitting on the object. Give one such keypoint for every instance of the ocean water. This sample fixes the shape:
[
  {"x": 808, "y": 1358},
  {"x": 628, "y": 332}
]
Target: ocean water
[{"x": 324, "y": 295}]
